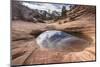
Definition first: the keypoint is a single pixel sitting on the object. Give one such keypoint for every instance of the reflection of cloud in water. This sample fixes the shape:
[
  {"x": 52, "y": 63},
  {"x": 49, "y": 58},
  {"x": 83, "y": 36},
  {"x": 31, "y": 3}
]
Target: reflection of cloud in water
[{"x": 46, "y": 6}]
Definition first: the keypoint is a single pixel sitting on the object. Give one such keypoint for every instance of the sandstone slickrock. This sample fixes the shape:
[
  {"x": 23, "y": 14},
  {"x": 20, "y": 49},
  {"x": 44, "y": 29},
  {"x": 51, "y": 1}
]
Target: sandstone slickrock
[
  {"x": 59, "y": 40},
  {"x": 25, "y": 50}
]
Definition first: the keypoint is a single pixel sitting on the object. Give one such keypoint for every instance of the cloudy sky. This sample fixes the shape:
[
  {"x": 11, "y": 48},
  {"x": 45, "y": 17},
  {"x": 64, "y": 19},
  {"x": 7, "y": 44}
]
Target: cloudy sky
[{"x": 45, "y": 6}]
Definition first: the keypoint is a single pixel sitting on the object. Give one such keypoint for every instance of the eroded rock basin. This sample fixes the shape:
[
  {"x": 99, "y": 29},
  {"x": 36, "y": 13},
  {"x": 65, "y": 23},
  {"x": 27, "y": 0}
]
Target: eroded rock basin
[
  {"x": 26, "y": 51},
  {"x": 59, "y": 40}
]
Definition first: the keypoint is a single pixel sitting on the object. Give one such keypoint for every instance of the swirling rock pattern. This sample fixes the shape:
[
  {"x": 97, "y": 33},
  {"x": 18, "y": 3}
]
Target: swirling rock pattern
[{"x": 26, "y": 51}]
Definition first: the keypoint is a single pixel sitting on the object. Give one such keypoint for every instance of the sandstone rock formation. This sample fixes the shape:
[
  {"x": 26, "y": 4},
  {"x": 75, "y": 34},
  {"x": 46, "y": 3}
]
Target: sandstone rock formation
[{"x": 26, "y": 51}]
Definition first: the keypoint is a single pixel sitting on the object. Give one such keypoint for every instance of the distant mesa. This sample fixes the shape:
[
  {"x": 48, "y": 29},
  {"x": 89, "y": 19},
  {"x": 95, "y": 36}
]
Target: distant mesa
[{"x": 22, "y": 12}]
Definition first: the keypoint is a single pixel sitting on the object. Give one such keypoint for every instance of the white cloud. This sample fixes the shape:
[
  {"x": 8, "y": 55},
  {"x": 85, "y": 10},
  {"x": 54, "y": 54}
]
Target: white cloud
[{"x": 45, "y": 6}]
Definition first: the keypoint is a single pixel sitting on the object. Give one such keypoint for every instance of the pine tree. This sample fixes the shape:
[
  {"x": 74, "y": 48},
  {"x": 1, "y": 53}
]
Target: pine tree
[{"x": 64, "y": 11}]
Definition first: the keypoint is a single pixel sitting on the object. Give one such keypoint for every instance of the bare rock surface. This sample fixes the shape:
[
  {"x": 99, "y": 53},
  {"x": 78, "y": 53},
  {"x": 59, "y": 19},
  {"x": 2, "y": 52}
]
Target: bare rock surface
[{"x": 25, "y": 49}]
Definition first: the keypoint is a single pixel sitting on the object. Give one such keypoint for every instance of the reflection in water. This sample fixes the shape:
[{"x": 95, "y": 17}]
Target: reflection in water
[{"x": 59, "y": 40}]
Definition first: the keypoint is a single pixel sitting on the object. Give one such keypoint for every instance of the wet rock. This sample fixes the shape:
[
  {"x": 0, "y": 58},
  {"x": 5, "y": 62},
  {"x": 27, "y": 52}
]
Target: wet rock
[{"x": 59, "y": 40}]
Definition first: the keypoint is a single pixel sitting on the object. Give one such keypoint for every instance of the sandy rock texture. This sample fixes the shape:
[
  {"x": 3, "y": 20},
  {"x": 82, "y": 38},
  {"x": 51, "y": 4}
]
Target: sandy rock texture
[{"x": 25, "y": 50}]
